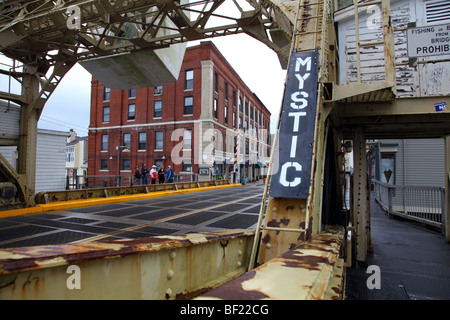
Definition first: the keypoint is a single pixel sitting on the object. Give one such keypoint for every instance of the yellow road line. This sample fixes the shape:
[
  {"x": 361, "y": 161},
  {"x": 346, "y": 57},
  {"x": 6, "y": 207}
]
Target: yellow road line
[{"x": 71, "y": 204}]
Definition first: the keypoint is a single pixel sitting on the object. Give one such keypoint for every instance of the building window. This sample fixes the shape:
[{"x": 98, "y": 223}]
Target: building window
[
  {"x": 186, "y": 166},
  {"x": 225, "y": 114},
  {"x": 159, "y": 163},
  {"x": 127, "y": 140},
  {"x": 216, "y": 82},
  {"x": 131, "y": 111},
  {"x": 189, "y": 79},
  {"x": 240, "y": 104},
  {"x": 159, "y": 140},
  {"x": 106, "y": 94},
  {"x": 104, "y": 164},
  {"x": 70, "y": 154},
  {"x": 234, "y": 120},
  {"x": 106, "y": 114},
  {"x": 158, "y": 109},
  {"x": 240, "y": 122},
  {"x": 187, "y": 139},
  {"x": 132, "y": 93},
  {"x": 226, "y": 91},
  {"x": 126, "y": 164},
  {"x": 189, "y": 105},
  {"x": 215, "y": 109},
  {"x": 158, "y": 90},
  {"x": 142, "y": 143},
  {"x": 104, "y": 142},
  {"x": 252, "y": 110},
  {"x": 234, "y": 98}
]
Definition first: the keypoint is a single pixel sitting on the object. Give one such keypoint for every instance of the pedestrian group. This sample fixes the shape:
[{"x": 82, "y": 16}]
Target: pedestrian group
[{"x": 144, "y": 176}]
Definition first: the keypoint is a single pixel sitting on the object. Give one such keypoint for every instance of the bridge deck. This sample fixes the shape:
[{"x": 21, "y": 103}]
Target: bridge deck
[{"x": 230, "y": 208}]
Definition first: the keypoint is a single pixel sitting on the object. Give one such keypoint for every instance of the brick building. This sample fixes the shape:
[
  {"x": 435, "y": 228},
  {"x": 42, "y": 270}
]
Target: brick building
[{"x": 193, "y": 124}]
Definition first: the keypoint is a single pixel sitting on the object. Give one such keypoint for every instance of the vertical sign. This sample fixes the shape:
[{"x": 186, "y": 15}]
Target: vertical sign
[{"x": 296, "y": 135}]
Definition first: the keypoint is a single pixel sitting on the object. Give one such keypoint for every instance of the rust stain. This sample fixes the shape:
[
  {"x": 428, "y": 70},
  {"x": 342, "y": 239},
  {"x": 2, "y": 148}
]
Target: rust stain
[
  {"x": 309, "y": 262},
  {"x": 273, "y": 223},
  {"x": 191, "y": 294},
  {"x": 337, "y": 290},
  {"x": 266, "y": 238},
  {"x": 233, "y": 290}
]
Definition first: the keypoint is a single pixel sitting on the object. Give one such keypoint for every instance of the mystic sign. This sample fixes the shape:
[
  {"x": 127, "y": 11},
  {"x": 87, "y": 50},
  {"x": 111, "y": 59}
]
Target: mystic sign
[{"x": 296, "y": 135}]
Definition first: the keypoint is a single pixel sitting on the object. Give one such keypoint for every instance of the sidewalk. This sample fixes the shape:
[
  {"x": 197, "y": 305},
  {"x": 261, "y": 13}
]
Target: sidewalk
[{"x": 414, "y": 262}]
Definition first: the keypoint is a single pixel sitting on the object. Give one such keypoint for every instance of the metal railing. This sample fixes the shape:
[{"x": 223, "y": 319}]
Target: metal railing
[
  {"x": 104, "y": 181},
  {"x": 419, "y": 203},
  {"x": 106, "y": 192}
]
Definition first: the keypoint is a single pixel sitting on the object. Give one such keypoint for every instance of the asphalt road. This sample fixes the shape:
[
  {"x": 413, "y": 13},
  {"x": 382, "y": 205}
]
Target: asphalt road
[{"x": 231, "y": 208}]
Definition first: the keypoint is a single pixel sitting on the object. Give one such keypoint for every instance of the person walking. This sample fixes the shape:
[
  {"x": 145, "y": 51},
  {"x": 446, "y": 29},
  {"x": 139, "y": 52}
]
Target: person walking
[
  {"x": 170, "y": 175},
  {"x": 137, "y": 175},
  {"x": 161, "y": 175},
  {"x": 144, "y": 173},
  {"x": 153, "y": 175}
]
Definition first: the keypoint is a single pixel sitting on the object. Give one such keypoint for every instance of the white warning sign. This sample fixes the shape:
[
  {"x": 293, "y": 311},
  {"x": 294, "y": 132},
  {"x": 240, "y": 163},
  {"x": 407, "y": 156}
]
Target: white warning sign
[{"x": 428, "y": 41}]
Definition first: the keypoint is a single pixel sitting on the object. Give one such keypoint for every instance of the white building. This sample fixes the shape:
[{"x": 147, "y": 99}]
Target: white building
[
  {"x": 76, "y": 159},
  {"x": 50, "y": 159}
]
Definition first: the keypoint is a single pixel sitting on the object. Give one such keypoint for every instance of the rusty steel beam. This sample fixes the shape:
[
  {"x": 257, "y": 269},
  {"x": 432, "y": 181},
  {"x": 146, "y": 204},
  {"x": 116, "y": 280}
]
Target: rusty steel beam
[
  {"x": 312, "y": 270},
  {"x": 158, "y": 268}
]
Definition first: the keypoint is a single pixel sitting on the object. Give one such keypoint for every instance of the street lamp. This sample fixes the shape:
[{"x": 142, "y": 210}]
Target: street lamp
[{"x": 119, "y": 149}]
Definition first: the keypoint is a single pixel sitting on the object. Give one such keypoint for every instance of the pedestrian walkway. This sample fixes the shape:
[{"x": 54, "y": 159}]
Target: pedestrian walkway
[{"x": 414, "y": 262}]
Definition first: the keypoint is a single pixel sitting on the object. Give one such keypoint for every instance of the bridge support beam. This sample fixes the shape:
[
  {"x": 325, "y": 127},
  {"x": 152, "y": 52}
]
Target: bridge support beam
[
  {"x": 29, "y": 117},
  {"x": 446, "y": 221},
  {"x": 361, "y": 204}
]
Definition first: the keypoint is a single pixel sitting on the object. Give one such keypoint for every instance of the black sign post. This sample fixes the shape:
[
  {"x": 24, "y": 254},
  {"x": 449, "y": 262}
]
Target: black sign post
[{"x": 296, "y": 135}]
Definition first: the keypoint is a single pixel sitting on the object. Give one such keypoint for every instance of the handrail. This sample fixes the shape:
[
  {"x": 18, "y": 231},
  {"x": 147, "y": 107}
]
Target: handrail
[{"x": 425, "y": 204}]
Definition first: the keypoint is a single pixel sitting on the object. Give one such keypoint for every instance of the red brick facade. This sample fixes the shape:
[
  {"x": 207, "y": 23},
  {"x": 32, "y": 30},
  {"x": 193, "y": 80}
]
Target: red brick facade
[{"x": 208, "y": 85}]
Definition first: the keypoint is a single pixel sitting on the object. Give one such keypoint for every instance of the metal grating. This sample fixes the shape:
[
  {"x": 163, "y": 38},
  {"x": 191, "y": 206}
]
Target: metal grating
[
  {"x": 114, "y": 225},
  {"x": 78, "y": 220},
  {"x": 22, "y": 231},
  {"x": 236, "y": 221},
  {"x": 198, "y": 218},
  {"x": 126, "y": 212},
  {"x": 159, "y": 214},
  {"x": 94, "y": 209},
  {"x": 198, "y": 205},
  {"x": 49, "y": 239},
  {"x": 231, "y": 207}
]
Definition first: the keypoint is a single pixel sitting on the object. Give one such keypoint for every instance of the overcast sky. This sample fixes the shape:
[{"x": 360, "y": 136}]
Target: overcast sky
[{"x": 257, "y": 65}]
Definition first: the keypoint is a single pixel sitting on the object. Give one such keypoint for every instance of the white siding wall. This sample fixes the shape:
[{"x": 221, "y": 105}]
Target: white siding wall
[
  {"x": 419, "y": 162},
  {"x": 424, "y": 162},
  {"x": 10, "y": 154},
  {"x": 426, "y": 79},
  {"x": 50, "y": 160},
  {"x": 9, "y": 121}
]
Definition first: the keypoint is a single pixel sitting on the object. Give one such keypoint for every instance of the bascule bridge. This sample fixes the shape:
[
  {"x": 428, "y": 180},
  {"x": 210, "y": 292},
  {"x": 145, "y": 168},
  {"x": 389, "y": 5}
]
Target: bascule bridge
[{"x": 352, "y": 76}]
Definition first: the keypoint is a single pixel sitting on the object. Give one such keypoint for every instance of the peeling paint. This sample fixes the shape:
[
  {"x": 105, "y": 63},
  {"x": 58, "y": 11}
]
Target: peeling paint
[{"x": 304, "y": 272}]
